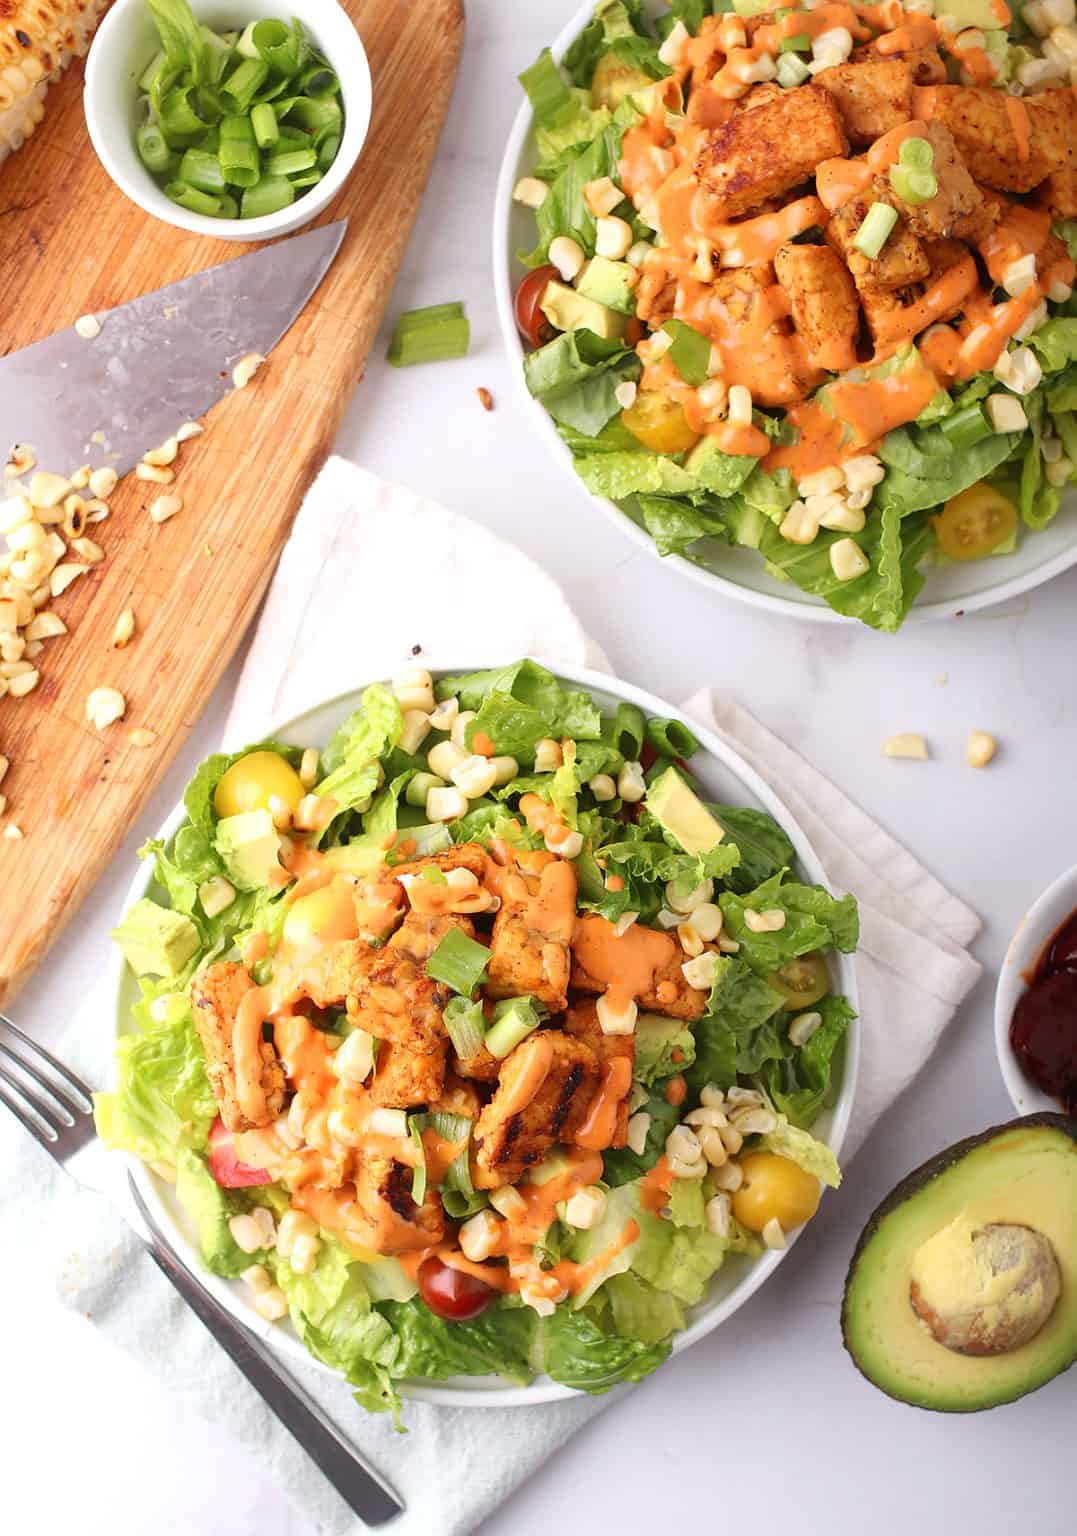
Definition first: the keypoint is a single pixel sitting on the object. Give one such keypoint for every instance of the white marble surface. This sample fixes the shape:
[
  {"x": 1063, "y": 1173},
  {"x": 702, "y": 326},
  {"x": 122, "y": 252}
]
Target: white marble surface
[{"x": 766, "y": 1424}]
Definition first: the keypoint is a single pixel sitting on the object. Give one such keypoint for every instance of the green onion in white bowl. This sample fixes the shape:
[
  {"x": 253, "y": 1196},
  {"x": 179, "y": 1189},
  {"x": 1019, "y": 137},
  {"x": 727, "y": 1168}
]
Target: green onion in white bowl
[{"x": 236, "y": 124}]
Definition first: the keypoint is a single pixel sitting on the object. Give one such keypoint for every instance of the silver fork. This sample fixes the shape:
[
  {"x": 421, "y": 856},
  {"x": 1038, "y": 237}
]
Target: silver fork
[{"x": 55, "y": 1107}]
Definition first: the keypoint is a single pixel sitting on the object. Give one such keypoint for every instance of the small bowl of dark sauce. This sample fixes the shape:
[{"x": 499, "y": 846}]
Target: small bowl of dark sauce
[{"x": 1036, "y": 1004}]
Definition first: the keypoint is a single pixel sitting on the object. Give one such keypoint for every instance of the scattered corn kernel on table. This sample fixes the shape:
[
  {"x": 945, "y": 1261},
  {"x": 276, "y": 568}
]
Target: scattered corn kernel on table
[{"x": 765, "y": 1426}]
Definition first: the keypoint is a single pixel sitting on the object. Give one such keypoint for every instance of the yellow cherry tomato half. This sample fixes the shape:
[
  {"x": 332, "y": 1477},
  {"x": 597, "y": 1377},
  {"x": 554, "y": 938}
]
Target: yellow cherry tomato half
[
  {"x": 323, "y": 917},
  {"x": 974, "y": 523},
  {"x": 802, "y": 981},
  {"x": 251, "y": 782},
  {"x": 774, "y": 1187},
  {"x": 659, "y": 423}
]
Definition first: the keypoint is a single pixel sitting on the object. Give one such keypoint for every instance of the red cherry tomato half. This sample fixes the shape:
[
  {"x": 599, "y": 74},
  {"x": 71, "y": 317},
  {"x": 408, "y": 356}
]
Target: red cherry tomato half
[
  {"x": 531, "y": 322},
  {"x": 226, "y": 1167},
  {"x": 453, "y": 1293}
]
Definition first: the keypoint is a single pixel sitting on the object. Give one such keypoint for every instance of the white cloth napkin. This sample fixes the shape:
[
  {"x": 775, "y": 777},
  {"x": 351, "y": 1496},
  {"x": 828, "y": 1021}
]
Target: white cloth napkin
[{"x": 338, "y": 614}]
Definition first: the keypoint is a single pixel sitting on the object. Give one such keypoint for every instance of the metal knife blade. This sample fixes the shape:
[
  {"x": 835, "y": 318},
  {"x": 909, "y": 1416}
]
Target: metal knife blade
[{"x": 158, "y": 361}]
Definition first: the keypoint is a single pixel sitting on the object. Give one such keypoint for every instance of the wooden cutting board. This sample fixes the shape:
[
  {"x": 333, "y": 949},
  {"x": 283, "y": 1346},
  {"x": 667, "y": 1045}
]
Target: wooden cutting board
[{"x": 71, "y": 243}]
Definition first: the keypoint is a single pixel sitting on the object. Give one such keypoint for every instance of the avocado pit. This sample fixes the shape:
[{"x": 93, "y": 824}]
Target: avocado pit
[{"x": 984, "y": 1290}]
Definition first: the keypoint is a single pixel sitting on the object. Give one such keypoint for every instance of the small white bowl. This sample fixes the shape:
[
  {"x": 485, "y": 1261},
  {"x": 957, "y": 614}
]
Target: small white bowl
[
  {"x": 126, "y": 42},
  {"x": 1034, "y": 932}
]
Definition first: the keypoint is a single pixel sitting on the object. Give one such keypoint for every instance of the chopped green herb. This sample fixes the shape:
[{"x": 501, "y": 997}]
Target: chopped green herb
[{"x": 430, "y": 335}]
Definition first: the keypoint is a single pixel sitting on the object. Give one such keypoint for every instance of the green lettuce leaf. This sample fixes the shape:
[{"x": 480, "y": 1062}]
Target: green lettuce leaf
[
  {"x": 567, "y": 711},
  {"x": 675, "y": 524},
  {"x": 677, "y": 1260},
  {"x": 663, "y": 1047},
  {"x": 162, "y": 1102},
  {"x": 564, "y": 211},
  {"x": 578, "y": 1351},
  {"x": 352, "y": 758},
  {"x": 619, "y": 475},
  {"x": 798, "y": 1084},
  {"x": 763, "y": 846},
  {"x": 497, "y": 1342},
  {"x": 1055, "y": 343},
  {"x": 813, "y": 1156},
  {"x": 576, "y": 376},
  {"x": 622, "y": 1165},
  {"x": 641, "y": 1312},
  {"x": 813, "y": 920}
]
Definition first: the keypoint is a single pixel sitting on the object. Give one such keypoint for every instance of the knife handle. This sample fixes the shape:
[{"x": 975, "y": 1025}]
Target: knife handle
[{"x": 369, "y": 1498}]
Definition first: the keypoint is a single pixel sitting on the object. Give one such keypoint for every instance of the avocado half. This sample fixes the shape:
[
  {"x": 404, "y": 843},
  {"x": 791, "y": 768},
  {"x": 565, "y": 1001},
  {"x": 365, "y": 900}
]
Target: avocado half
[{"x": 1022, "y": 1175}]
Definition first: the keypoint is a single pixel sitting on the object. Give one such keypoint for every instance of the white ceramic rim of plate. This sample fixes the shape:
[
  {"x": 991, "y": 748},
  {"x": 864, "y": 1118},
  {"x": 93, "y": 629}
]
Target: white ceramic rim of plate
[
  {"x": 801, "y": 606},
  {"x": 1039, "y": 924},
  {"x": 464, "y": 1393}
]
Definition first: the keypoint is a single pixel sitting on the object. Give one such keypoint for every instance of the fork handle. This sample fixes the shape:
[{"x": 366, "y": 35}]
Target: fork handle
[{"x": 368, "y": 1498}]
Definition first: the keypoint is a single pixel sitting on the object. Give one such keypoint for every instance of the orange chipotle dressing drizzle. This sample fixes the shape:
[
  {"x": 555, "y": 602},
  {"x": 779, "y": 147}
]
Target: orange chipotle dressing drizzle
[
  {"x": 600, "y": 1122},
  {"x": 625, "y": 965}
]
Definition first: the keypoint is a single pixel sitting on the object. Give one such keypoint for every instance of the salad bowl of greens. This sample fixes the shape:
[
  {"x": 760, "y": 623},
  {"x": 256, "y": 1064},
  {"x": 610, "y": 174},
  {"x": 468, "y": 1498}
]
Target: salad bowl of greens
[
  {"x": 718, "y": 520},
  {"x": 232, "y": 118},
  {"x": 776, "y": 1034}
]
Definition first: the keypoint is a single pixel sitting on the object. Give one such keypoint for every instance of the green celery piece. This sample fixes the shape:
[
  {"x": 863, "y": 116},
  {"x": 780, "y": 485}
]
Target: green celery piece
[{"x": 430, "y": 335}]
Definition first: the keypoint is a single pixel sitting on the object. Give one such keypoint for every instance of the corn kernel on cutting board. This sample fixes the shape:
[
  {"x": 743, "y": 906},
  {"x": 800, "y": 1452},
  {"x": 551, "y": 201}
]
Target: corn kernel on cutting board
[{"x": 70, "y": 243}]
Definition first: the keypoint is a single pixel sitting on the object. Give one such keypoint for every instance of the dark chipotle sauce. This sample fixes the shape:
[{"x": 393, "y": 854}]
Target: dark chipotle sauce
[{"x": 1043, "y": 1031}]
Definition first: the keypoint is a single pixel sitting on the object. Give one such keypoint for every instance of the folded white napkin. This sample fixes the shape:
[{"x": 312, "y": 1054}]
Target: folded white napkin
[{"x": 339, "y": 612}]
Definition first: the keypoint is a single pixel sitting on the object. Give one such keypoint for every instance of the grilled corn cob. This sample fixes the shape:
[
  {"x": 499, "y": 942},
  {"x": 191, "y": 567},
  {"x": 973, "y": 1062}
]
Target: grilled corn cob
[{"x": 38, "y": 39}]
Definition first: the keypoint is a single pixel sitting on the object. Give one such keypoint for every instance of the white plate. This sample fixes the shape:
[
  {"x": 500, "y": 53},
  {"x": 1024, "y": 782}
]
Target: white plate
[
  {"x": 728, "y": 779},
  {"x": 739, "y": 573}
]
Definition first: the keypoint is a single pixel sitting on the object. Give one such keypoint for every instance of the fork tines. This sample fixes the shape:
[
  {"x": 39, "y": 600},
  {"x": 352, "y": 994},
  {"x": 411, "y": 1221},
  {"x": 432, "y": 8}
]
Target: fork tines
[{"x": 47, "y": 1097}]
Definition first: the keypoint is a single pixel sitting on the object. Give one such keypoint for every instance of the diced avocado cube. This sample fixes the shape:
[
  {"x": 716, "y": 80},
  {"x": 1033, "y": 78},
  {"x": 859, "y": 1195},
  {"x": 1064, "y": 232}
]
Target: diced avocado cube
[
  {"x": 571, "y": 311},
  {"x": 682, "y": 813},
  {"x": 611, "y": 283},
  {"x": 249, "y": 844},
  {"x": 155, "y": 940},
  {"x": 973, "y": 13},
  {"x": 663, "y": 1047}
]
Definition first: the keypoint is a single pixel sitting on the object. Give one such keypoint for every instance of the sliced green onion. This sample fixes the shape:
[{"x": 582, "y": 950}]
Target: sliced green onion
[
  {"x": 210, "y": 141},
  {"x": 278, "y": 45},
  {"x": 264, "y": 125},
  {"x": 917, "y": 154},
  {"x": 313, "y": 115},
  {"x": 876, "y": 229},
  {"x": 456, "y": 1130},
  {"x": 291, "y": 162},
  {"x": 152, "y": 149},
  {"x": 289, "y": 135},
  {"x": 1066, "y": 427},
  {"x": 690, "y": 353},
  {"x": 239, "y": 162},
  {"x": 245, "y": 46},
  {"x": 434, "y": 876},
  {"x": 192, "y": 199},
  {"x": 319, "y": 82},
  {"x": 458, "y": 962},
  {"x": 629, "y": 729},
  {"x": 965, "y": 428},
  {"x": 177, "y": 115},
  {"x": 466, "y": 1024},
  {"x": 514, "y": 1019},
  {"x": 219, "y": 55},
  {"x": 327, "y": 150},
  {"x": 149, "y": 74},
  {"x": 269, "y": 195},
  {"x": 202, "y": 170},
  {"x": 801, "y": 43},
  {"x": 229, "y": 208},
  {"x": 430, "y": 335},
  {"x": 913, "y": 187},
  {"x": 671, "y": 737},
  {"x": 418, "y": 1172},
  {"x": 243, "y": 83}
]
